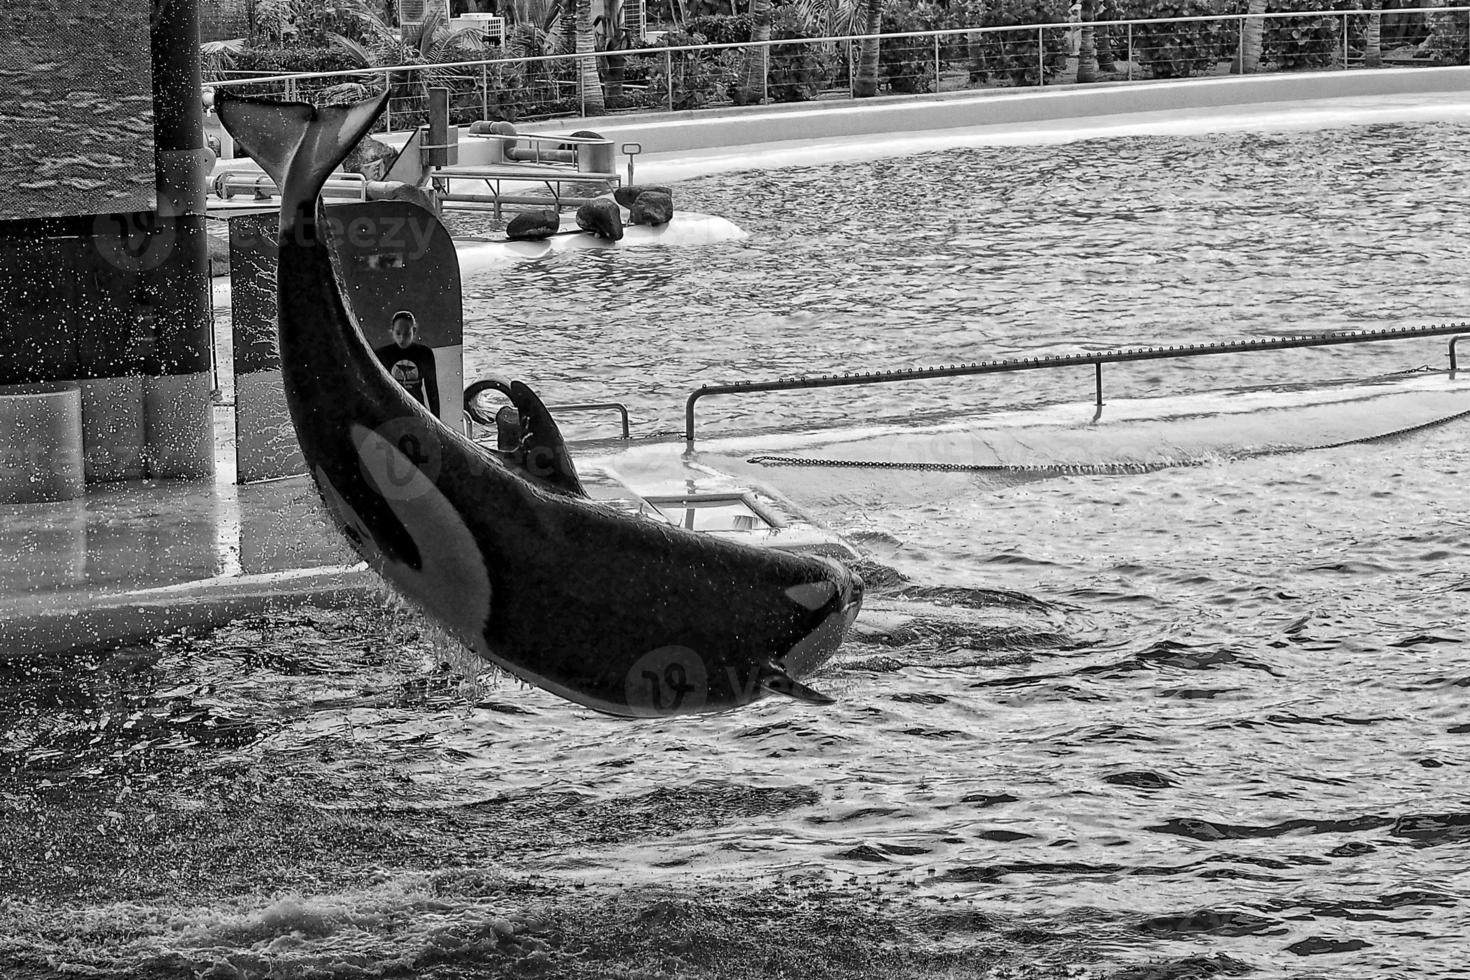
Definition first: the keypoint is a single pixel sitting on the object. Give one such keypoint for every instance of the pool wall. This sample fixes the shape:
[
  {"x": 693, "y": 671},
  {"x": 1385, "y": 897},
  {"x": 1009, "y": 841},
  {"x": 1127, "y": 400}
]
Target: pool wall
[{"x": 729, "y": 128}]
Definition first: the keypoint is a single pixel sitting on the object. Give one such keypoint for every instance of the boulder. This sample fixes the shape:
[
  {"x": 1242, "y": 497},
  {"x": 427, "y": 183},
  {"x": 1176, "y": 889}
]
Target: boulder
[
  {"x": 627, "y": 195},
  {"x": 651, "y": 208},
  {"x": 533, "y": 226},
  {"x": 501, "y": 128},
  {"x": 398, "y": 190},
  {"x": 602, "y": 218},
  {"x": 370, "y": 158},
  {"x": 581, "y": 134}
]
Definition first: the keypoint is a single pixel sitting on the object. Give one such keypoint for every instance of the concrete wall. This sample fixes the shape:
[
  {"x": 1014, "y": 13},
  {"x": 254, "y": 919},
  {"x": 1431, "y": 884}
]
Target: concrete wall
[
  {"x": 118, "y": 300},
  {"x": 683, "y": 131}
]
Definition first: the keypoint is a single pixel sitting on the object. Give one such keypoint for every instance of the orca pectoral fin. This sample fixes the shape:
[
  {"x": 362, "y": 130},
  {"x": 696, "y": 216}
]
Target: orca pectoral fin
[
  {"x": 546, "y": 456},
  {"x": 777, "y": 681}
]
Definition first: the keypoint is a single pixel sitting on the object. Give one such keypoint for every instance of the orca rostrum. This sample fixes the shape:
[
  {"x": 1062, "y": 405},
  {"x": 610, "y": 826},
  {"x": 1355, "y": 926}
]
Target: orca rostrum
[{"x": 622, "y": 614}]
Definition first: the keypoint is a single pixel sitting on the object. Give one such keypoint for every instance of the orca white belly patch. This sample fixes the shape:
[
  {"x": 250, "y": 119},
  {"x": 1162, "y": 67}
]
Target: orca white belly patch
[{"x": 453, "y": 581}]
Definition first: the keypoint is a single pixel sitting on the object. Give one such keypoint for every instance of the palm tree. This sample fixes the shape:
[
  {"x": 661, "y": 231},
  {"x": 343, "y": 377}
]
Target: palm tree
[
  {"x": 429, "y": 41},
  {"x": 1250, "y": 44},
  {"x": 1106, "y": 61},
  {"x": 865, "y": 82},
  {"x": 1373, "y": 38},
  {"x": 590, "y": 79},
  {"x": 1087, "y": 45},
  {"x": 757, "y": 56},
  {"x": 378, "y": 43}
]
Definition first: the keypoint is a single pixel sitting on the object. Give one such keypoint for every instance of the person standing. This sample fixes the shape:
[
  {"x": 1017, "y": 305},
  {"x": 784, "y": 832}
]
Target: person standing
[{"x": 411, "y": 363}]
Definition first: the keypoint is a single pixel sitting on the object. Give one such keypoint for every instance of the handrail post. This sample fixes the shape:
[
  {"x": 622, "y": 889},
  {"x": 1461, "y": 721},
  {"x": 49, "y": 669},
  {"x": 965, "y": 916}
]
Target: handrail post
[
  {"x": 1344, "y": 41},
  {"x": 1098, "y": 365},
  {"x": 1130, "y": 51},
  {"x": 669, "y": 76},
  {"x": 936, "y": 62},
  {"x": 689, "y": 415},
  {"x": 1240, "y": 49},
  {"x": 484, "y": 91},
  {"x": 1040, "y": 57}
]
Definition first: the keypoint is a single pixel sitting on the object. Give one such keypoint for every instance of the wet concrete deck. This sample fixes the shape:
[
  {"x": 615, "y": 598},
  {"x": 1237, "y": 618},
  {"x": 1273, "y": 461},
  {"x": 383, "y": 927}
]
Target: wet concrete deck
[{"x": 137, "y": 559}]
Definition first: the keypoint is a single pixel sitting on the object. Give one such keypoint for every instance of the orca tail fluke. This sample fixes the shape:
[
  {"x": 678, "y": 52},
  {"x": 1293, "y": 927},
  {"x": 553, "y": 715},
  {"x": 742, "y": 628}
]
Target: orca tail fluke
[
  {"x": 777, "y": 681},
  {"x": 297, "y": 143}
]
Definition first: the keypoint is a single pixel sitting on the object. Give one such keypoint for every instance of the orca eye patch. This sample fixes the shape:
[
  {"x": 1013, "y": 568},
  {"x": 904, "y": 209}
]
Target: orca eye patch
[{"x": 812, "y": 595}]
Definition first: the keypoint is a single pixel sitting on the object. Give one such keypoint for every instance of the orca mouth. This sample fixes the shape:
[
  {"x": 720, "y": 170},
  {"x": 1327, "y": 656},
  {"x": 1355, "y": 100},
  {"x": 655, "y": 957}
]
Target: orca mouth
[
  {"x": 854, "y": 603},
  {"x": 825, "y": 637}
]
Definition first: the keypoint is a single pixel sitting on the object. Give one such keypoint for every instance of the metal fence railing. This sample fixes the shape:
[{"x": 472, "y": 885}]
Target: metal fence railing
[{"x": 805, "y": 69}]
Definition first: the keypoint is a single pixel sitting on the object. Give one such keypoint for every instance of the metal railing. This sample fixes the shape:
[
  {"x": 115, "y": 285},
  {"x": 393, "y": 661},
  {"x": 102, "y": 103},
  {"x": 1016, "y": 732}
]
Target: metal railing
[
  {"x": 685, "y": 77},
  {"x": 1095, "y": 360}
]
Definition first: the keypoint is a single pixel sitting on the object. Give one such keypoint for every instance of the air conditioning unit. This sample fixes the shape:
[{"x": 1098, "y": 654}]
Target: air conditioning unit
[
  {"x": 491, "y": 26},
  {"x": 412, "y": 13}
]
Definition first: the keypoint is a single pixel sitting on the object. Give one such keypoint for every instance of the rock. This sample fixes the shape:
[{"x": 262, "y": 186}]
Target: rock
[
  {"x": 398, "y": 190},
  {"x": 533, "y": 226},
  {"x": 343, "y": 94},
  {"x": 370, "y": 158},
  {"x": 581, "y": 134},
  {"x": 651, "y": 208},
  {"x": 627, "y": 195},
  {"x": 602, "y": 218},
  {"x": 499, "y": 128}
]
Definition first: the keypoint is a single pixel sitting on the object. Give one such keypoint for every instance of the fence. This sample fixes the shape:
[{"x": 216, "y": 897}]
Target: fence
[{"x": 806, "y": 69}]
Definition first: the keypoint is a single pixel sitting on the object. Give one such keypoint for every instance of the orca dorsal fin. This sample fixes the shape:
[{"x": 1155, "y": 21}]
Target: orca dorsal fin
[
  {"x": 297, "y": 143},
  {"x": 543, "y": 450}
]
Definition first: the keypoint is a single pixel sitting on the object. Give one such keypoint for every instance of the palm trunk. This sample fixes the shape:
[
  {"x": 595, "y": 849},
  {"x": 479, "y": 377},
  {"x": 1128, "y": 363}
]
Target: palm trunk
[
  {"x": 1250, "y": 45},
  {"x": 590, "y": 79},
  {"x": 1087, "y": 46},
  {"x": 756, "y": 57},
  {"x": 619, "y": 28},
  {"x": 1105, "y": 60},
  {"x": 1373, "y": 38},
  {"x": 865, "y": 82}
]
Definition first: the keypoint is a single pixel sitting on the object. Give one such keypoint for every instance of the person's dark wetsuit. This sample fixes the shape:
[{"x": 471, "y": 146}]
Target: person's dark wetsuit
[{"x": 413, "y": 368}]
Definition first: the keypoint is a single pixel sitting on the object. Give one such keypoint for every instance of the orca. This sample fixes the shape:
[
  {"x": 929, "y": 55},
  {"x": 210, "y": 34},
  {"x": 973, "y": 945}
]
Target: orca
[{"x": 624, "y": 615}]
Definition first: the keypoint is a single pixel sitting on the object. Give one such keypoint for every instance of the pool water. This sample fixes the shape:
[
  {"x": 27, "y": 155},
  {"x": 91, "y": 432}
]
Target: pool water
[
  {"x": 1011, "y": 251},
  {"x": 1200, "y": 721}
]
